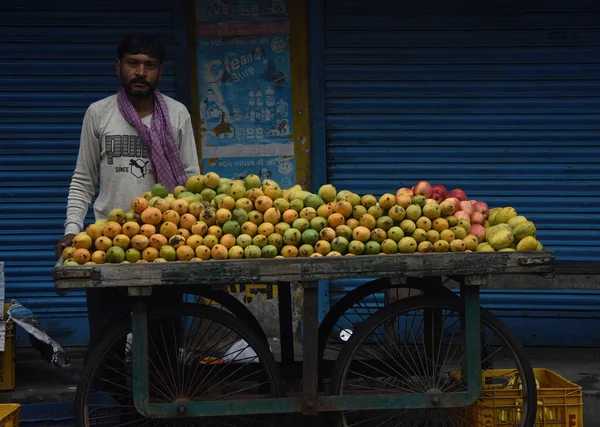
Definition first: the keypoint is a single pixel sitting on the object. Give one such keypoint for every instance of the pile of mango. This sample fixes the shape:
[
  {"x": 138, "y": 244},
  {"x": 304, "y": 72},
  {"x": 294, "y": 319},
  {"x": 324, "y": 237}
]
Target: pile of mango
[
  {"x": 509, "y": 231},
  {"x": 218, "y": 218}
]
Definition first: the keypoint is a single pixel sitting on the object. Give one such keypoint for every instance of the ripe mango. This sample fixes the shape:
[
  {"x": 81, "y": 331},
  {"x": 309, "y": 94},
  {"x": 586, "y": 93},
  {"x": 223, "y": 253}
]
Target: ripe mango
[
  {"x": 457, "y": 245},
  {"x": 271, "y": 189},
  {"x": 524, "y": 229},
  {"x": 432, "y": 211},
  {"x": 504, "y": 215},
  {"x": 492, "y": 215},
  {"x": 407, "y": 245},
  {"x": 327, "y": 193},
  {"x": 425, "y": 247},
  {"x": 528, "y": 243},
  {"x": 211, "y": 180},
  {"x": 516, "y": 220},
  {"x": 314, "y": 201},
  {"x": 485, "y": 247},
  {"x": 501, "y": 239},
  {"x": 252, "y": 181},
  {"x": 299, "y": 195},
  {"x": 491, "y": 230}
]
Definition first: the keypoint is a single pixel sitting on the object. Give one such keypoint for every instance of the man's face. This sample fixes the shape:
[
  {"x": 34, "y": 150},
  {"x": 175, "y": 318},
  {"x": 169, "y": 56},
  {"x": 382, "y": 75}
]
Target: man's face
[{"x": 139, "y": 74}]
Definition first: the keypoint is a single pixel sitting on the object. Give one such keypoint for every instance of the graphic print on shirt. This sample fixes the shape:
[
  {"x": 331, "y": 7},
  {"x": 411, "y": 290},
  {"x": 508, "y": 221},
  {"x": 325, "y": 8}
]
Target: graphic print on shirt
[
  {"x": 138, "y": 167},
  {"x": 132, "y": 147}
]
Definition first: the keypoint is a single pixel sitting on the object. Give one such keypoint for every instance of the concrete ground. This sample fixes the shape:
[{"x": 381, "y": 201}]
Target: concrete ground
[{"x": 39, "y": 382}]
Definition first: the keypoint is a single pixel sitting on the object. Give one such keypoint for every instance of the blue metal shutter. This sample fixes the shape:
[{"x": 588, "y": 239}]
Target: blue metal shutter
[
  {"x": 500, "y": 99},
  {"x": 55, "y": 59}
]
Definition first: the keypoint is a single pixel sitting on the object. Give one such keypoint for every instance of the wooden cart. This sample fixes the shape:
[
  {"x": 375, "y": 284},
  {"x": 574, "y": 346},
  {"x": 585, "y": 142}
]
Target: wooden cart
[{"x": 413, "y": 384}]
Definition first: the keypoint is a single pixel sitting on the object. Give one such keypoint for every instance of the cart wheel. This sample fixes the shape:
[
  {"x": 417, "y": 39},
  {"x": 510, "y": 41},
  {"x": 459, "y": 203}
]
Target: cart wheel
[
  {"x": 196, "y": 353},
  {"x": 221, "y": 300},
  {"x": 224, "y": 300},
  {"x": 357, "y": 306},
  {"x": 396, "y": 351}
]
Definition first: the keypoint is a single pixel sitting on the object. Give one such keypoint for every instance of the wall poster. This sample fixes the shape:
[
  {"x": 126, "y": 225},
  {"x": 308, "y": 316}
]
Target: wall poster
[{"x": 245, "y": 87}]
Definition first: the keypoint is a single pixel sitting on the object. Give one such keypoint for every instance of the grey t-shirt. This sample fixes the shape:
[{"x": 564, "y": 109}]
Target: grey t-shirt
[{"x": 112, "y": 155}]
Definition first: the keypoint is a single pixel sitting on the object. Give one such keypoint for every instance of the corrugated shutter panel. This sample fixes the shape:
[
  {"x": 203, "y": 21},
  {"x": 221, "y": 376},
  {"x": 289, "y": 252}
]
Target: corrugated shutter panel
[
  {"x": 56, "y": 59},
  {"x": 498, "y": 98}
]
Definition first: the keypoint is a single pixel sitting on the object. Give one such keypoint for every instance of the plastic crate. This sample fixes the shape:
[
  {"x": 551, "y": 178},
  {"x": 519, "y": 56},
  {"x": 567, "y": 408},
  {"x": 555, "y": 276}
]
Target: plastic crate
[
  {"x": 560, "y": 402},
  {"x": 7, "y": 358},
  {"x": 62, "y": 414},
  {"x": 9, "y": 415}
]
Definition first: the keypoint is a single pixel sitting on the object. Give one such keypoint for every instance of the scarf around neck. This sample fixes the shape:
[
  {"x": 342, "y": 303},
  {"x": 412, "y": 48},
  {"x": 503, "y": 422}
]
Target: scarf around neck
[{"x": 159, "y": 138}]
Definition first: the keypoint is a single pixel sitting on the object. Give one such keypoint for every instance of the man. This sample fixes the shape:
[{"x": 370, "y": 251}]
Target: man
[{"x": 129, "y": 142}]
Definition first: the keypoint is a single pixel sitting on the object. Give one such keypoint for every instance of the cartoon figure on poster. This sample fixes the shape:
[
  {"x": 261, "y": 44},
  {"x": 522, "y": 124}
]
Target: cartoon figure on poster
[
  {"x": 212, "y": 108},
  {"x": 245, "y": 90}
]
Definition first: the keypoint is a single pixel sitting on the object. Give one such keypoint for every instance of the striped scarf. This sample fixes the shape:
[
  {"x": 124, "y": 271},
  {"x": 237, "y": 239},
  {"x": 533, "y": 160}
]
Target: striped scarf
[{"x": 159, "y": 138}]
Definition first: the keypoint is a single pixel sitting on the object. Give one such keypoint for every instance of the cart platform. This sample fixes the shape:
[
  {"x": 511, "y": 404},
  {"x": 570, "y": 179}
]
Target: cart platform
[{"x": 304, "y": 270}]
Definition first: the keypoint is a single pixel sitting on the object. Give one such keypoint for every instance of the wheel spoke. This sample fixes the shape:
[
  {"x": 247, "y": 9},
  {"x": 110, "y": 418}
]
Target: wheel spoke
[
  {"x": 179, "y": 338},
  {"x": 389, "y": 354}
]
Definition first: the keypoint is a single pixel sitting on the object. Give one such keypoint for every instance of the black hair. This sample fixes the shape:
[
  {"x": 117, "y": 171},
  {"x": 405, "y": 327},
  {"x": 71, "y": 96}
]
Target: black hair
[{"x": 146, "y": 44}]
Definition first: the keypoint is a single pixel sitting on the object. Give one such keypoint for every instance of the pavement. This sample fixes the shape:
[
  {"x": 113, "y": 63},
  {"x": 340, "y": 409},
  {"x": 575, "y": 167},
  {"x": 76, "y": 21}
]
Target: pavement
[{"x": 39, "y": 382}]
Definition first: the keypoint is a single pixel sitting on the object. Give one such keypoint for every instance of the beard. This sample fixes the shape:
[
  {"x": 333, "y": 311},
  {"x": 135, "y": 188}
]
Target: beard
[{"x": 138, "y": 93}]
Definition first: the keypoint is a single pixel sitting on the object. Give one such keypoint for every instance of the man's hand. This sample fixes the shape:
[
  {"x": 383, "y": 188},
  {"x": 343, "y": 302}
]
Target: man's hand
[{"x": 64, "y": 242}]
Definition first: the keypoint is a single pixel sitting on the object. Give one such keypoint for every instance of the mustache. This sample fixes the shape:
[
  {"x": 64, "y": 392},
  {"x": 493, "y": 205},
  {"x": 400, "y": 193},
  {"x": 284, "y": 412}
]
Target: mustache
[{"x": 139, "y": 81}]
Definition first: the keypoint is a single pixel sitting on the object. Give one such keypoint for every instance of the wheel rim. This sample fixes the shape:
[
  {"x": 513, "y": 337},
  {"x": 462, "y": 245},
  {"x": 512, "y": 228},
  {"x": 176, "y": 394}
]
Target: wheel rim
[
  {"x": 392, "y": 356},
  {"x": 357, "y": 311},
  {"x": 192, "y": 358}
]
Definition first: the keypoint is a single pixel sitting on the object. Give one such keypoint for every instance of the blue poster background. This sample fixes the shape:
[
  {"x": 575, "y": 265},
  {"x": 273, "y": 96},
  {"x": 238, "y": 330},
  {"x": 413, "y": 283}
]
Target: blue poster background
[
  {"x": 240, "y": 10},
  {"x": 245, "y": 90},
  {"x": 280, "y": 169}
]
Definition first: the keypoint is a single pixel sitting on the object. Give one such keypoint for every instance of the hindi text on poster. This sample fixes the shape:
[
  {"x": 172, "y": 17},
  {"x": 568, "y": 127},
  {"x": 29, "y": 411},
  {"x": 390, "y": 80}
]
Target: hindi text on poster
[{"x": 241, "y": 10}]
